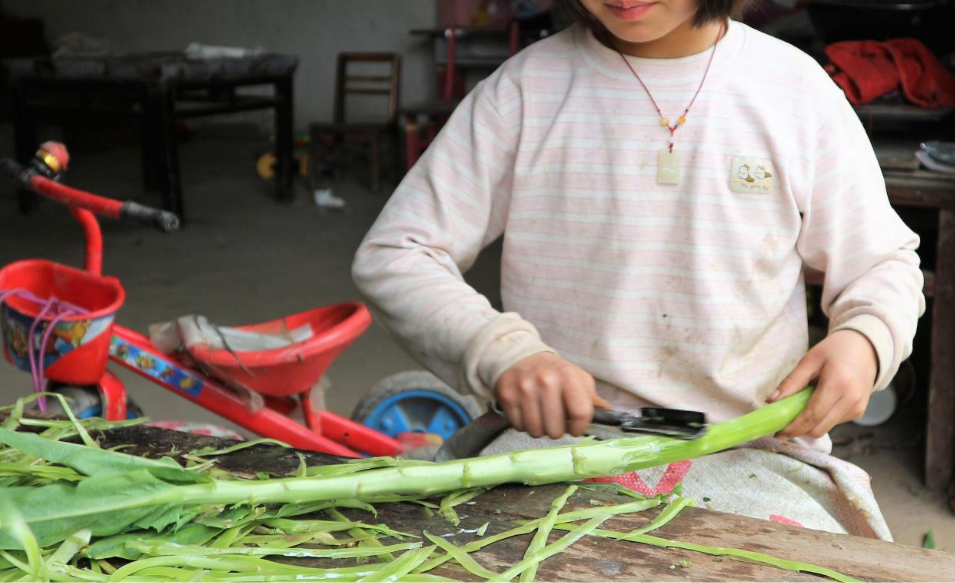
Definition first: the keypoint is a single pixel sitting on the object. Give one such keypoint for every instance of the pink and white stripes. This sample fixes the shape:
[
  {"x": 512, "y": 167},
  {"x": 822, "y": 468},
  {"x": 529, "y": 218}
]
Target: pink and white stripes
[{"x": 686, "y": 296}]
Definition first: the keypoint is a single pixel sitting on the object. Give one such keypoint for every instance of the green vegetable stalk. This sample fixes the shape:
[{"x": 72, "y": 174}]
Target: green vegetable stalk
[
  {"x": 532, "y": 467},
  {"x": 122, "y": 492}
]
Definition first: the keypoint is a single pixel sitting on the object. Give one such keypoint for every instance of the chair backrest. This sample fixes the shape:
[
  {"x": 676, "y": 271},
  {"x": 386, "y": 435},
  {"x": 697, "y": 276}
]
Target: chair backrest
[{"x": 379, "y": 76}]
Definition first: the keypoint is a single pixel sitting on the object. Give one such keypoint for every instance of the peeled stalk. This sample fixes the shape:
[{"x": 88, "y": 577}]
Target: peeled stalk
[{"x": 531, "y": 467}]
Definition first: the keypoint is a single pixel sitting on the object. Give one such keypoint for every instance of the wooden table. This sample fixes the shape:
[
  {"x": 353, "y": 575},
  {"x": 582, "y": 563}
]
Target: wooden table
[
  {"x": 911, "y": 187},
  {"x": 159, "y": 90},
  {"x": 592, "y": 559}
]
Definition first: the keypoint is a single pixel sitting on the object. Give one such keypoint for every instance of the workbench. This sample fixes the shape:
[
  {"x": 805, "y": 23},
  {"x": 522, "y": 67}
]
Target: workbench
[
  {"x": 911, "y": 187},
  {"x": 590, "y": 559}
]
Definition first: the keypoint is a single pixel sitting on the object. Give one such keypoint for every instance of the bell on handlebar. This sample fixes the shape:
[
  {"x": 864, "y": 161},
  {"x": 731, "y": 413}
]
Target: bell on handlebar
[{"x": 51, "y": 159}]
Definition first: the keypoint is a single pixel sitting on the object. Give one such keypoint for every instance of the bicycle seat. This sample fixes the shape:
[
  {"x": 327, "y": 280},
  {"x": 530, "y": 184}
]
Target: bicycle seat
[{"x": 281, "y": 357}]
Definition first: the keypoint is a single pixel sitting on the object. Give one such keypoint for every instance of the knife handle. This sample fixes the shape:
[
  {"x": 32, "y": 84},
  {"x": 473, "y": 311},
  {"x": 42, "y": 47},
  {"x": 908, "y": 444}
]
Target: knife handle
[{"x": 604, "y": 413}]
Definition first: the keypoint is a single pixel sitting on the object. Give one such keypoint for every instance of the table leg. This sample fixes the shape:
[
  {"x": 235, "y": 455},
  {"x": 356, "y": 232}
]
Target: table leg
[
  {"x": 940, "y": 438},
  {"x": 374, "y": 155},
  {"x": 283, "y": 140},
  {"x": 151, "y": 139},
  {"x": 412, "y": 141},
  {"x": 171, "y": 187},
  {"x": 24, "y": 138}
]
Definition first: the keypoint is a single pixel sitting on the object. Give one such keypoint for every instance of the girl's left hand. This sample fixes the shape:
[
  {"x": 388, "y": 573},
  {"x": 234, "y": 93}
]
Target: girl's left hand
[{"x": 844, "y": 366}]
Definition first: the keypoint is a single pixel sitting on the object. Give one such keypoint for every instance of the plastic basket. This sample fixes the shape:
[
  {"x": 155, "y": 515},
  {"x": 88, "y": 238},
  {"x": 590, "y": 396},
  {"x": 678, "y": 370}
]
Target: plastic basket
[{"x": 78, "y": 347}]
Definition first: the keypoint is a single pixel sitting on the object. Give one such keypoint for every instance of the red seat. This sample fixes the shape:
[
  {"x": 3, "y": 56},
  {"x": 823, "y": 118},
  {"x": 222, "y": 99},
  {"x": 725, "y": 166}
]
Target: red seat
[{"x": 292, "y": 369}]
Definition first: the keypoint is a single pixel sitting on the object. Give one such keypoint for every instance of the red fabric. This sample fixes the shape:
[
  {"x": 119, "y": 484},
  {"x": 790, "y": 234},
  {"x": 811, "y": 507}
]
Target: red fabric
[
  {"x": 867, "y": 70},
  {"x": 925, "y": 81},
  {"x": 632, "y": 481},
  {"x": 864, "y": 70}
]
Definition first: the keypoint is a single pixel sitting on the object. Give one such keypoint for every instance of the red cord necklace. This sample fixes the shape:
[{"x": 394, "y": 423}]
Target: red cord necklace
[{"x": 668, "y": 161}]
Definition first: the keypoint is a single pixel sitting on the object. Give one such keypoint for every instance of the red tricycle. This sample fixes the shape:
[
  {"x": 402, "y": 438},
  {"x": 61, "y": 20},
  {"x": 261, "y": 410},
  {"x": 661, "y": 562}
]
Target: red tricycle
[{"x": 58, "y": 324}]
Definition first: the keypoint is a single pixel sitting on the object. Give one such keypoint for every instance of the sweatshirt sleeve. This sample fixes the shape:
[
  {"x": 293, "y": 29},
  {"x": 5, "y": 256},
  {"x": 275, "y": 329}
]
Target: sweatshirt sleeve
[
  {"x": 451, "y": 205},
  {"x": 873, "y": 283}
]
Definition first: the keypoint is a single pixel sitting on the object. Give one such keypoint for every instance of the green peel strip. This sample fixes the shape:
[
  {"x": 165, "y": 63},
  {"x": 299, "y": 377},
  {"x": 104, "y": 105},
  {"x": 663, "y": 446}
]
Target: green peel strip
[
  {"x": 463, "y": 558},
  {"x": 543, "y": 531}
]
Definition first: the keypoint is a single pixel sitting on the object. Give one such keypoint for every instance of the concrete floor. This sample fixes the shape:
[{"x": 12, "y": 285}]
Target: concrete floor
[{"x": 244, "y": 259}]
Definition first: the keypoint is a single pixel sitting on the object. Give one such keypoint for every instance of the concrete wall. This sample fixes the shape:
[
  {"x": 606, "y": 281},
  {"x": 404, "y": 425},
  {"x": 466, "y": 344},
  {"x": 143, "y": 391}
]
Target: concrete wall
[{"x": 314, "y": 30}]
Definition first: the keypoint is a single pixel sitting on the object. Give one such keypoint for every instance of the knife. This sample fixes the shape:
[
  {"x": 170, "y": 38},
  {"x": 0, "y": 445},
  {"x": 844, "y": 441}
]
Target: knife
[{"x": 470, "y": 440}]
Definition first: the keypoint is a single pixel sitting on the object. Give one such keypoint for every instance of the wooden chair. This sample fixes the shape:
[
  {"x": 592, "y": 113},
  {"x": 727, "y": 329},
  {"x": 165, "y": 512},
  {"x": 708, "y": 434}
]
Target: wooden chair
[{"x": 345, "y": 127}]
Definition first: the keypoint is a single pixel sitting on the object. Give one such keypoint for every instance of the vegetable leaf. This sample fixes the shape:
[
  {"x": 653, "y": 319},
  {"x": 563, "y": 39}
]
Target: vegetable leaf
[
  {"x": 93, "y": 461},
  {"x": 106, "y": 505}
]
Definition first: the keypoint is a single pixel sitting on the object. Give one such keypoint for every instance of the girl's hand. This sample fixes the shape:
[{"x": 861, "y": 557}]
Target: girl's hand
[
  {"x": 547, "y": 395},
  {"x": 844, "y": 366}
]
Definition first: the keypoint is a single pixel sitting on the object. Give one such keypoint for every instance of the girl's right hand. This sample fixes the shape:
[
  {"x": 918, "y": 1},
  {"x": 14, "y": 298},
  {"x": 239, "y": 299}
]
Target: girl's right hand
[{"x": 547, "y": 395}]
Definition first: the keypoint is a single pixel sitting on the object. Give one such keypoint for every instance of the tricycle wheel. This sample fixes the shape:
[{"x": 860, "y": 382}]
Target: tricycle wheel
[{"x": 415, "y": 401}]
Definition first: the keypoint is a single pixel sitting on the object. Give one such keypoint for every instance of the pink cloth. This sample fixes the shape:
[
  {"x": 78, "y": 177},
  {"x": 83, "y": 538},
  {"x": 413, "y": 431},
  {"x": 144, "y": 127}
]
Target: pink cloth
[
  {"x": 775, "y": 480},
  {"x": 207, "y": 429}
]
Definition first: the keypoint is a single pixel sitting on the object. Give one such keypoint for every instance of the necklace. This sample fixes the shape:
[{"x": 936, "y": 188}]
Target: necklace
[{"x": 668, "y": 161}]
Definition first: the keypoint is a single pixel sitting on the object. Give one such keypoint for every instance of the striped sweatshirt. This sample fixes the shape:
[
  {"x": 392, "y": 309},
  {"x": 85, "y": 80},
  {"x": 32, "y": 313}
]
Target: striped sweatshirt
[{"x": 689, "y": 295}]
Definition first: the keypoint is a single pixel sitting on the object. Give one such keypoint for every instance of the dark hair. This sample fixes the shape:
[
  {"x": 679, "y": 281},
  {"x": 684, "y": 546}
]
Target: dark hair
[{"x": 709, "y": 11}]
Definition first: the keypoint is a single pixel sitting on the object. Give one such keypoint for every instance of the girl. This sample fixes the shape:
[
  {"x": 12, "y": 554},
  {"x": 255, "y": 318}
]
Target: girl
[{"x": 643, "y": 260}]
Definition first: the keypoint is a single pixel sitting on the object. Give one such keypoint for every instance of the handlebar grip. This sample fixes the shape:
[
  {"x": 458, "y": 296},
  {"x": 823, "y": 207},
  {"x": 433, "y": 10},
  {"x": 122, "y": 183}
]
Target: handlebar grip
[
  {"x": 10, "y": 168},
  {"x": 134, "y": 212}
]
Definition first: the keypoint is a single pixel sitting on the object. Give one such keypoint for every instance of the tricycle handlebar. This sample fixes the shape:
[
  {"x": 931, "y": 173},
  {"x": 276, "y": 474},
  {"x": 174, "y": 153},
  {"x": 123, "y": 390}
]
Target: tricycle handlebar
[
  {"x": 134, "y": 212},
  {"x": 35, "y": 178}
]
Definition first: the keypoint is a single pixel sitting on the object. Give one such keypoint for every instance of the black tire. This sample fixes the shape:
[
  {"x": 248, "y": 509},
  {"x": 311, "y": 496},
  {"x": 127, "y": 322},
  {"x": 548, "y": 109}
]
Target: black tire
[
  {"x": 26, "y": 201},
  {"x": 133, "y": 410},
  {"x": 411, "y": 381},
  {"x": 83, "y": 398}
]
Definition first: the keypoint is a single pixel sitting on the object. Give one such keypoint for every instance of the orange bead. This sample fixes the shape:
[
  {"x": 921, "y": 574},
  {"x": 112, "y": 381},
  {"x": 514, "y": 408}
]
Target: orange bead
[
  {"x": 665, "y": 122},
  {"x": 681, "y": 121}
]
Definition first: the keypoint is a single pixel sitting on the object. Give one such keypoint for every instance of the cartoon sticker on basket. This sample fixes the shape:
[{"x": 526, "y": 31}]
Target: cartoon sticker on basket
[
  {"x": 63, "y": 339},
  {"x": 76, "y": 331},
  {"x": 16, "y": 341},
  {"x": 751, "y": 175}
]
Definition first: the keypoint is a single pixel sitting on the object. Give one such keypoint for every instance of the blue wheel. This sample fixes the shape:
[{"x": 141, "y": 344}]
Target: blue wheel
[{"x": 415, "y": 401}]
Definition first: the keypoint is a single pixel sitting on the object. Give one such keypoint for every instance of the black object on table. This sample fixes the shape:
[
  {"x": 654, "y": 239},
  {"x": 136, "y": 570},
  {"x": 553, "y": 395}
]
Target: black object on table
[{"x": 158, "y": 89}]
